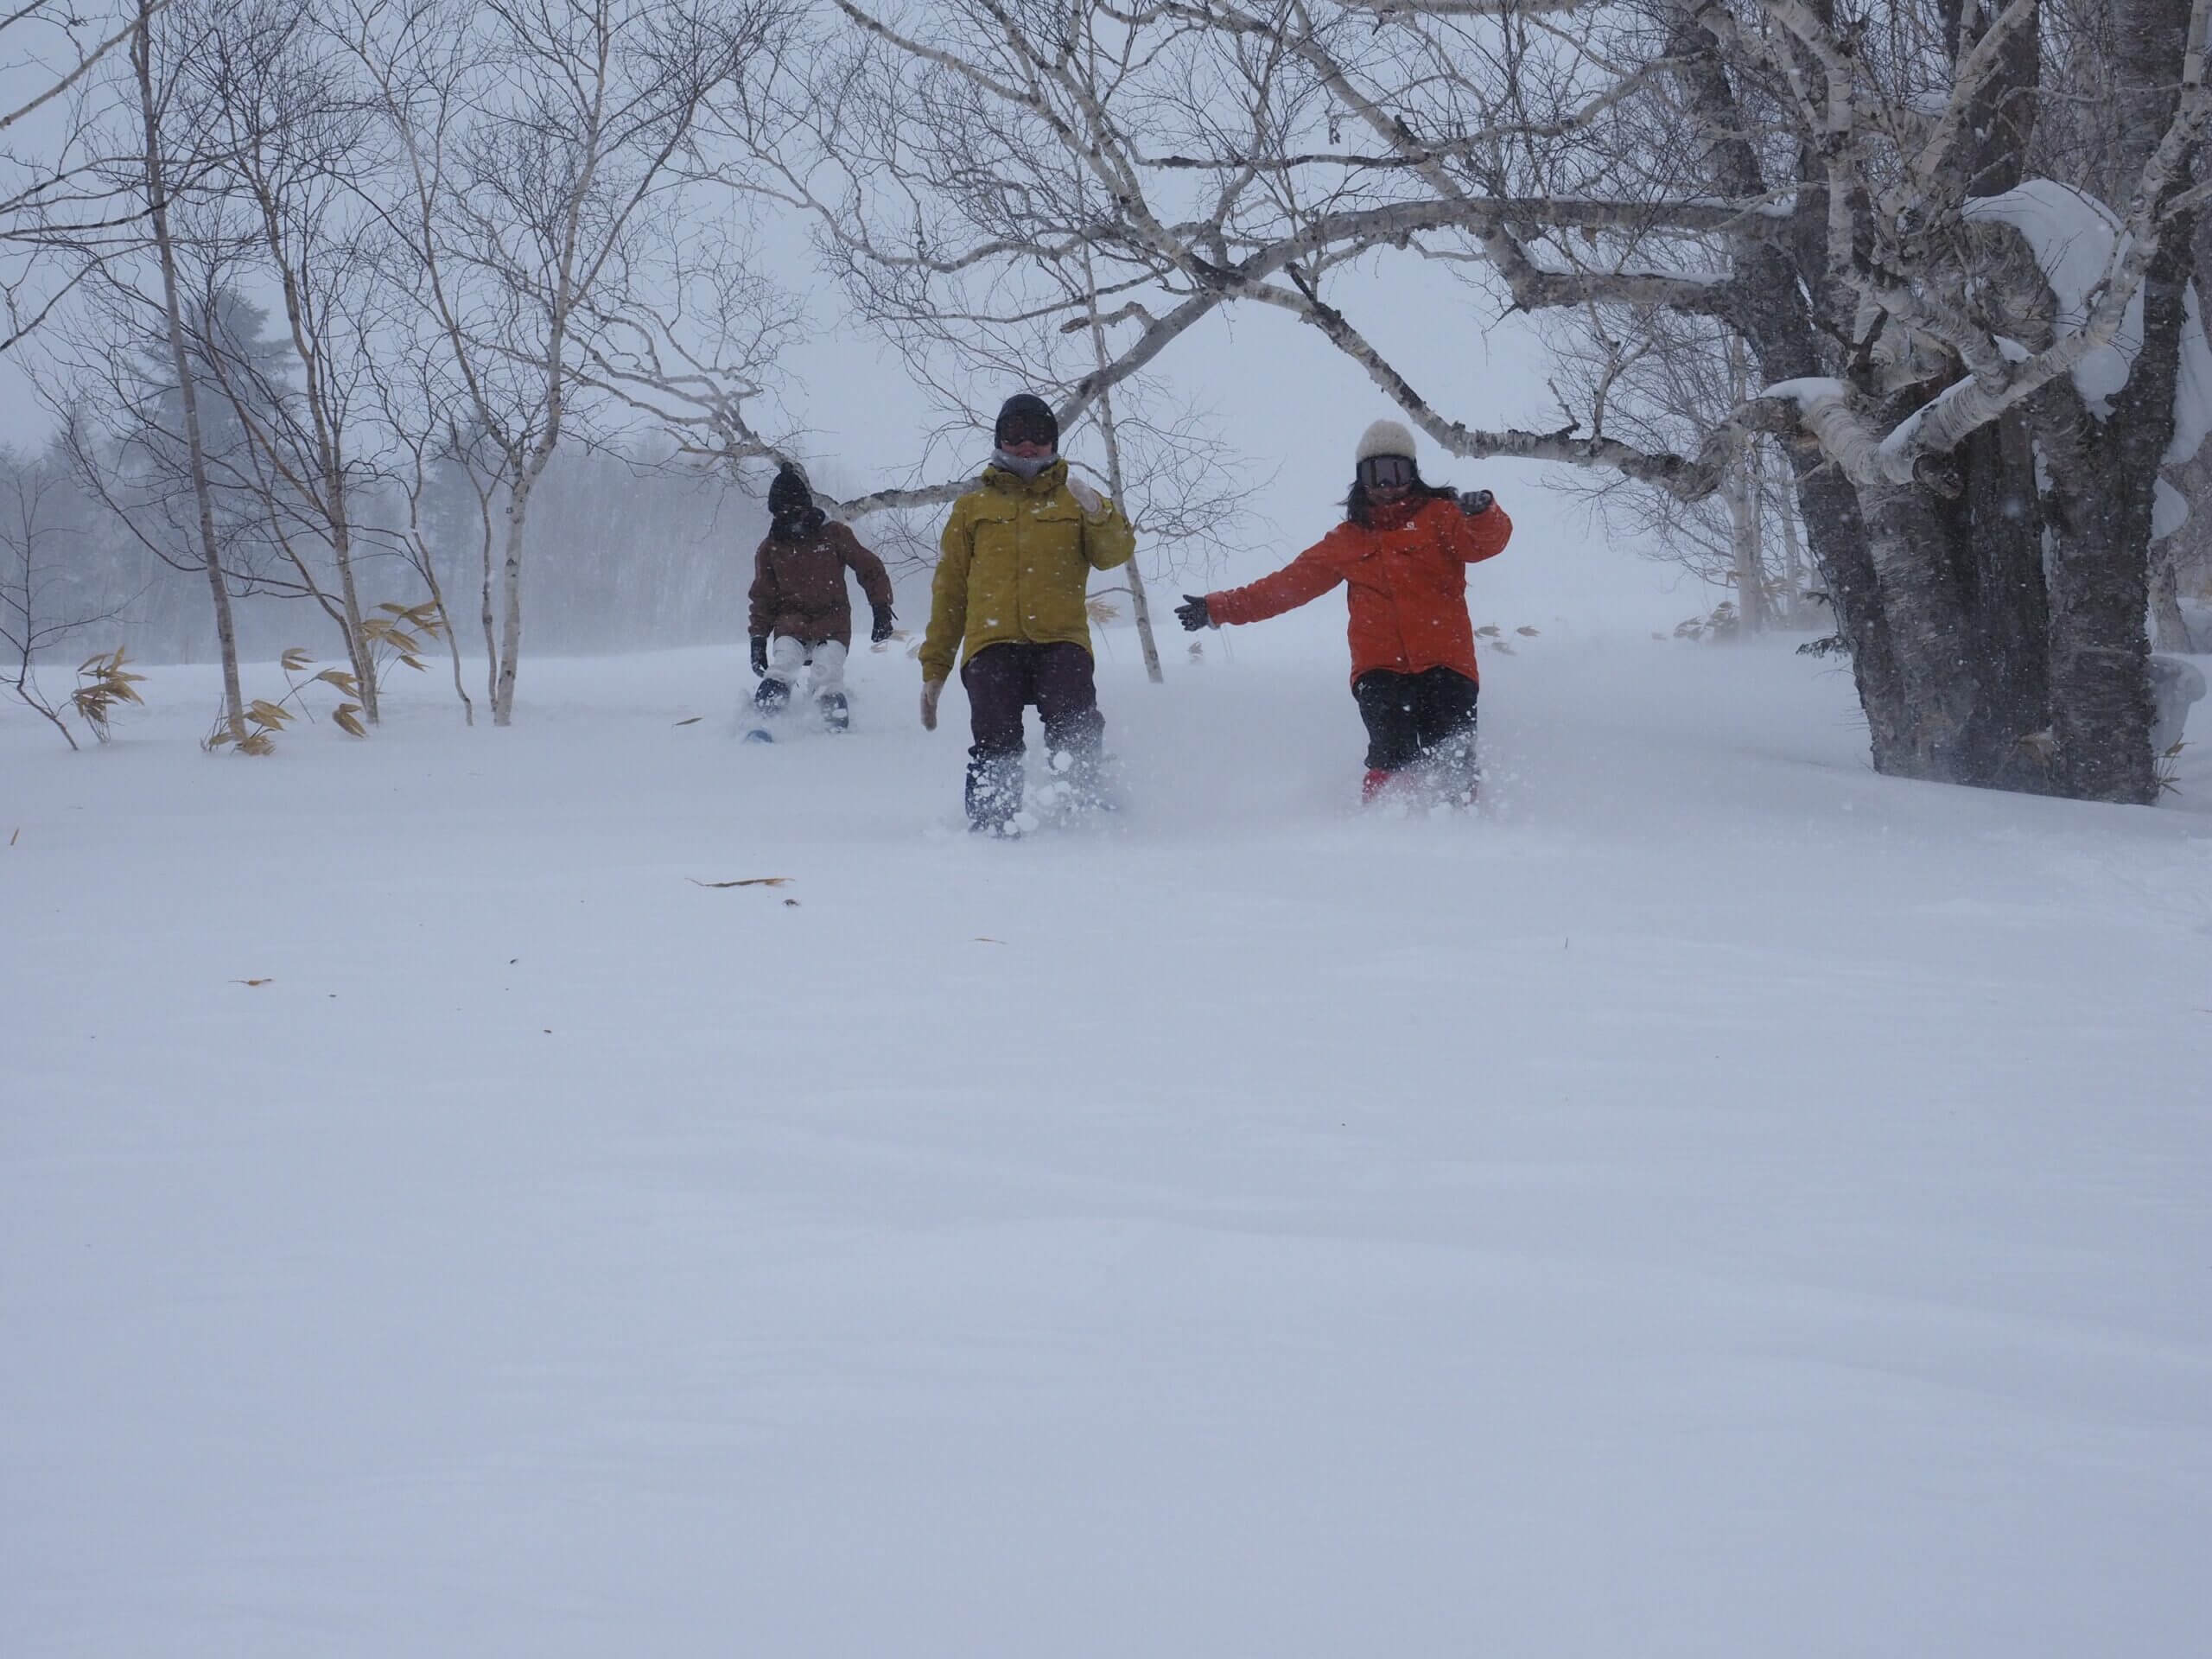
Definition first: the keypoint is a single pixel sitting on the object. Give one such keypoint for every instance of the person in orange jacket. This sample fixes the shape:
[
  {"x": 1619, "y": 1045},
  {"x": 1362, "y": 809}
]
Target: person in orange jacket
[{"x": 1403, "y": 551}]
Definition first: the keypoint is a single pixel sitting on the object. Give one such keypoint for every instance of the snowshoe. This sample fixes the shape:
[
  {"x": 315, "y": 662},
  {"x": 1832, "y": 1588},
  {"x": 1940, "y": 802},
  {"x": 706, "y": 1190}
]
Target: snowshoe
[{"x": 836, "y": 713}]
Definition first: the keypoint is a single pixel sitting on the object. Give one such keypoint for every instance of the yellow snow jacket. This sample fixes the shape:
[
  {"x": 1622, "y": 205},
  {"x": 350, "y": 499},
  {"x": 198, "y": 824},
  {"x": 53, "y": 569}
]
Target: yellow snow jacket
[{"x": 1014, "y": 564}]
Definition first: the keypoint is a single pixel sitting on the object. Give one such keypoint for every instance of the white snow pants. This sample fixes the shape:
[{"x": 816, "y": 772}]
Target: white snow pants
[{"x": 787, "y": 661}]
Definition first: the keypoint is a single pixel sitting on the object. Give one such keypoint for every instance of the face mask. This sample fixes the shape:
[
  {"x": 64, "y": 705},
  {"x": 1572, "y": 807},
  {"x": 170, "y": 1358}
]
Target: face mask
[{"x": 1022, "y": 466}]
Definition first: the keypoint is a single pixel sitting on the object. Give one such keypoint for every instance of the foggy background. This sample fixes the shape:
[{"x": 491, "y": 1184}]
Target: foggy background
[{"x": 631, "y": 552}]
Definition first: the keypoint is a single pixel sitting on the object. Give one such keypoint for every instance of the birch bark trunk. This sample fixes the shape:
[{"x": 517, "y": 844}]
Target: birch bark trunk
[{"x": 141, "y": 62}]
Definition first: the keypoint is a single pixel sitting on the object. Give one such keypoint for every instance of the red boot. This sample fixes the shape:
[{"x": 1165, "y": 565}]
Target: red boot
[{"x": 1373, "y": 785}]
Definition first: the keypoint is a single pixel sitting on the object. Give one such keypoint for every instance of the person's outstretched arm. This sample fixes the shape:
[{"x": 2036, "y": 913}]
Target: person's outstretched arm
[{"x": 1305, "y": 579}]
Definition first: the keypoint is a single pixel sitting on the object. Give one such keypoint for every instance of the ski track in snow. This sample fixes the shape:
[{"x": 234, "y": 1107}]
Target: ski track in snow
[{"x": 1715, "y": 1202}]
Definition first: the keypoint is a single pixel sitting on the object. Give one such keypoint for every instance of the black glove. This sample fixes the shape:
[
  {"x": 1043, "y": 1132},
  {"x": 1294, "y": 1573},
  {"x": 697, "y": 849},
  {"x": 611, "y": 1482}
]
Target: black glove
[
  {"x": 1191, "y": 614},
  {"x": 881, "y": 631},
  {"x": 1474, "y": 503},
  {"x": 760, "y": 653}
]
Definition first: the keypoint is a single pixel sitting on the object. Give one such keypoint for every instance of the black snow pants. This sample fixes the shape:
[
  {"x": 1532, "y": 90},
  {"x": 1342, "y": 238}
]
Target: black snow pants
[
  {"x": 1426, "y": 718},
  {"x": 1002, "y": 682}
]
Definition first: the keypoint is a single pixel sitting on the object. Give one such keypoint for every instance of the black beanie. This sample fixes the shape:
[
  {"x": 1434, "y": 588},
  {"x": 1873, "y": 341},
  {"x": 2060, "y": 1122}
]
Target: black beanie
[
  {"x": 788, "y": 496},
  {"x": 1030, "y": 405}
]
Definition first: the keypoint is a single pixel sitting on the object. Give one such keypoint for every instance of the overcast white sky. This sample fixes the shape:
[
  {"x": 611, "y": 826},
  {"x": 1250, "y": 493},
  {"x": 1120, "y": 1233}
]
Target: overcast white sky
[{"x": 1288, "y": 400}]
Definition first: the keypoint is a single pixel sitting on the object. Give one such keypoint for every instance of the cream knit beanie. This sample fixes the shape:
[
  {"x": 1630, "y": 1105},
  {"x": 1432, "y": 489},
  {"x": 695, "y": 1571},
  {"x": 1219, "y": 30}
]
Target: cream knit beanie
[{"x": 1384, "y": 438}]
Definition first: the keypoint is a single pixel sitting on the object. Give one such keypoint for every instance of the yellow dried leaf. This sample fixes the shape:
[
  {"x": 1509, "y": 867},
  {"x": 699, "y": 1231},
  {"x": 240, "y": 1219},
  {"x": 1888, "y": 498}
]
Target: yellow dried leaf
[
  {"x": 259, "y": 743},
  {"x": 414, "y": 662},
  {"x": 347, "y": 716},
  {"x": 295, "y": 660},
  {"x": 265, "y": 713},
  {"x": 341, "y": 679}
]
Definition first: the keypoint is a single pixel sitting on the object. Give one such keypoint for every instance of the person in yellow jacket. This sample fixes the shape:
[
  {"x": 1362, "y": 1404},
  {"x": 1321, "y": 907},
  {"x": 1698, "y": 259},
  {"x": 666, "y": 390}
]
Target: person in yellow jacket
[{"x": 1014, "y": 569}]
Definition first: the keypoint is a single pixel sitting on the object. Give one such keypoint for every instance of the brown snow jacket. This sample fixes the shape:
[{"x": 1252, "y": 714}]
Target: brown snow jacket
[{"x": 799, "y": 585}]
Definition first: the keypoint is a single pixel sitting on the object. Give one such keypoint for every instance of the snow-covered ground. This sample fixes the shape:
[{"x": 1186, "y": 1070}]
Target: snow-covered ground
[{"x": 1718, "y": 1202}]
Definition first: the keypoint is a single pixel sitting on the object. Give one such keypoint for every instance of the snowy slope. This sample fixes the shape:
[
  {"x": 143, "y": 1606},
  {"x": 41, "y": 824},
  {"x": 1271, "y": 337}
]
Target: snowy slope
[{"x": 1719, "y": 1201}]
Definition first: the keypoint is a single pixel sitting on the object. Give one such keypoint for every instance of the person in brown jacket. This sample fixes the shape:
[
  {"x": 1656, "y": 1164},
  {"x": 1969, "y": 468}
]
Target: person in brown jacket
[{"x": 802, "y": 619}]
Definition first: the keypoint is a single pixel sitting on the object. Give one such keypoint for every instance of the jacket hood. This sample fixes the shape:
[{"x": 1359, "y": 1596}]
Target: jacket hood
[{"x": 789, "y": 495}]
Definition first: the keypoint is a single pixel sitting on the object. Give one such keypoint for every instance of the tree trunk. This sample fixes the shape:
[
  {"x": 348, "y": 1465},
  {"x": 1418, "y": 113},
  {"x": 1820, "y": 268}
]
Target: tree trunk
[
  {"x": 2100, "y": 658},
  {"x": 1740, "y": 494},
  {"x": 484, "y": 608},
  {"x": 357, "y": 640},
  {"x": 1996, "y": 534},
  {"x": 2100, "y": 575},
  {"x": 1793, "y": 557},
  {"x": 1910, "y": 550},
  {"x": 1139, "y": 605},
  {"x": 327, "y": 428},
  {"x": 430, "y": 569},
  {"x": 1835, "y": 534},
  {"x": 503, "y": 683},
  {"x": 1778, "y": 290},
  {"x": 2103, "y": 476},
  {"x": 142, "y": 57}
]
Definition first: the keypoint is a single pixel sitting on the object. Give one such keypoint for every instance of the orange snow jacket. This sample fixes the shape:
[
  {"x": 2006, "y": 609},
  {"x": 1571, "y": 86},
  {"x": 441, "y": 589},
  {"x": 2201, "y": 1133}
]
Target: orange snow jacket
[{"x": 1408, "y": 576}]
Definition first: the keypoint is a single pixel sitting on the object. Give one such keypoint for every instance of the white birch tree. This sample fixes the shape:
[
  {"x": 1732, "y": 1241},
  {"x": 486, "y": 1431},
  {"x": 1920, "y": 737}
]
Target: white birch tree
[
  {"x": 549, "y": 146},
  {"x": 1818, "y": 182}
]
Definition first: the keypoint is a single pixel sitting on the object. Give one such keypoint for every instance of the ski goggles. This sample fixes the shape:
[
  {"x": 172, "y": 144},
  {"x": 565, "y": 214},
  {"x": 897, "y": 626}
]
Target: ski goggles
[
  {"x": 1029, "y": 426},
  {"x": 1386, "y": 472}
]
